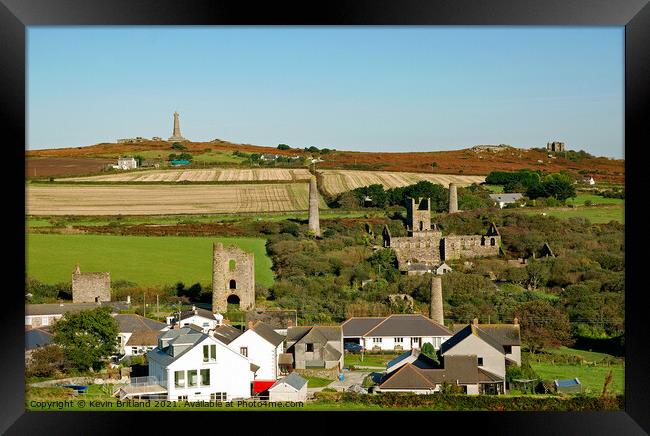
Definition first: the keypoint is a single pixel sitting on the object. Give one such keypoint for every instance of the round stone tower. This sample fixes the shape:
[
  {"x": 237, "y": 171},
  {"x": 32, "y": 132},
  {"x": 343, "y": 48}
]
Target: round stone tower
[
  {"x": 436, "y": 311},
  {"x": 453, "y": 198},
  {"x": 314, "y": 219}
]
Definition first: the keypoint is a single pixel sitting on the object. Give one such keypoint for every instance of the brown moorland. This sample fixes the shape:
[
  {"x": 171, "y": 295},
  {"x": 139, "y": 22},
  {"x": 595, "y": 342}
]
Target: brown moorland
[{"x": 471, "y": 161}]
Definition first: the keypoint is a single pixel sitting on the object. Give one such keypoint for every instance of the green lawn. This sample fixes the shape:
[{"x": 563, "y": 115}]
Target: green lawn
[
  {"x": 368, "y": 359},
  {"x": 590, "y": 356},
  {"x": 591, "y": 377},
  {"x": 147, "y": 261},
  {"x": 218, "y": 157},
  {"x": 595, "y": 214},
  {"x": 580, "y": 199},
  {"x": 494, "y": 188},
  {"x": 317, "y": 382}
]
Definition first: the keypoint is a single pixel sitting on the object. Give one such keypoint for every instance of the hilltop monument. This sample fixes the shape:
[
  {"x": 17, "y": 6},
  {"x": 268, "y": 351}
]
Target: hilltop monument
[
  {"x": 314, "y": 219},
  {"x": 176, "y": 134}
]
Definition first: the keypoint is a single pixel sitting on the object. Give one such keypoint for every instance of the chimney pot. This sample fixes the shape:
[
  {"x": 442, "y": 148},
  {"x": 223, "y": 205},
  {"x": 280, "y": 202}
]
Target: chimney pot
[
  {"x": 250, "y": 324},
  {"x": 515, "y": 321},
  {"x": 290, "y": 323},
  {"x": 475, "y": 321}
]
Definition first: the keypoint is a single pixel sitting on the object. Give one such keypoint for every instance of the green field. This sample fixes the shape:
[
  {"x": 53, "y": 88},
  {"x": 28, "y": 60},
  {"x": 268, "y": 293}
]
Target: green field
[
  {"x": 580, "y": 199},
  {"x": 595, "y": 214},
  {"x": 494, "y": 188},
  {"x": 144, "y": 260},
  {"x": 591, "y": 377},
  {"x": 317, "y": 382}
]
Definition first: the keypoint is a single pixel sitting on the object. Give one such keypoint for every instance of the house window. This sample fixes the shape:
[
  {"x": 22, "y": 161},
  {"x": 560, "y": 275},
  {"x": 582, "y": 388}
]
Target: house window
[
  {"x": 310, "y": 347},
  {"x": 209, "y": 353},
  {"x": 492, "y": 241},
  {"x": 232, "y": 264},
  {"x": 218, "y": 396},
  {"x": 205, "y": 377},
  {"x": 243, "y": 351},
  {"x": 182, "y": 398},
  {"x": 134, "y": 350},
  {"x": 480, "y": 361},
  {"x": 399, "y": 340},
  {"x": 206, "y": 324},
  {"x": 193, "y": 377},
  {"x": 508, "y": 349},
  {"x": 46, "y": 320},
  {"x": 376, "y": 340},
  {"x": 179, "y": 379}
]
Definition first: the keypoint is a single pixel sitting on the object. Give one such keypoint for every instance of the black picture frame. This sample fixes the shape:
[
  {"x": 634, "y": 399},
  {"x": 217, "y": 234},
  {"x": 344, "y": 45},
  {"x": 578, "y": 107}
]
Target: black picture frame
[{"x": 15, "y": 15}]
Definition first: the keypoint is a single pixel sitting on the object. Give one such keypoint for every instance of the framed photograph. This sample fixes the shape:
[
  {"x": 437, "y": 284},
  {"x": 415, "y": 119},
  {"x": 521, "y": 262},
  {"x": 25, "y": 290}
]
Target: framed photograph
[{"x": 415, "y": 209}]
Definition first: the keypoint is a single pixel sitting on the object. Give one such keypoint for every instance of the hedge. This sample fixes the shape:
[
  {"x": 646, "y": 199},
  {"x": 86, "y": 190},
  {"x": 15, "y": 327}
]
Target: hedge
[{"x": 478, "y": 402}]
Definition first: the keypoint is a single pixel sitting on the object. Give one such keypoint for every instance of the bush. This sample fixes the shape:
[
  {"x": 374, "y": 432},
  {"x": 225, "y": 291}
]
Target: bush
[
  {"x": 45, "y": 361},
  {"x": 283, "y": 147},
  {"x": 178, "y": 146}
]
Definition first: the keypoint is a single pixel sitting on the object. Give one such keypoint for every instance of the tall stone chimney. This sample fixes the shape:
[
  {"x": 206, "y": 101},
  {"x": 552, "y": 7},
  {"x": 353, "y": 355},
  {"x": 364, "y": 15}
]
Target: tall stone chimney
[
  {"x": 314, "y": 219},
  {"x": 436, "y": 311},
  {"x": 453, "y": 198},
  {"x": 250, "y": 324}
]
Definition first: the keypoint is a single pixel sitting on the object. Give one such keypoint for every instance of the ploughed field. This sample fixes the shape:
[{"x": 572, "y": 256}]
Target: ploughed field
[
  {"x": 166, "y": 199},
  {"x": 58, "y": 166},
  {"x": 201, "y": 175},
  {"x": 336, "y": 181}
]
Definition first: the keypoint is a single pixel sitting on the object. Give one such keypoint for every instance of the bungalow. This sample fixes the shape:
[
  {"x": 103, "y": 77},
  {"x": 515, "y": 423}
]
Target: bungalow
[
  {"x": 191, "y": 365},
  {"x": 503, "y": 199},
  {"x": 394, "y": 332},
  {"x": 197, "y": 316},
  {"x": 290, "y": 388},
  {"x": 315, "y": 347},
  {"x": 42, "y": 315},
  {"x": 127, "y": 163},
  {"x": 137, "y": 334},
  {"x": 263, "y": 346}
]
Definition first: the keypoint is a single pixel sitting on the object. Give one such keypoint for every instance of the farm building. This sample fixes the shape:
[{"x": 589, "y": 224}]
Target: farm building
[
  {"x": 315, "y": 347},
  {"x": 127, "y": 163},
  {"x": 505, "y": 199}
]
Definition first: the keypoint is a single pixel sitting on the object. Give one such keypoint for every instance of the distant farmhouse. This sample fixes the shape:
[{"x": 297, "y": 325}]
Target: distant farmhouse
[
  {"x": 425, "y": 249},
  {"x": 126, "y": 163},
  {"x": 504, "y": 199}
]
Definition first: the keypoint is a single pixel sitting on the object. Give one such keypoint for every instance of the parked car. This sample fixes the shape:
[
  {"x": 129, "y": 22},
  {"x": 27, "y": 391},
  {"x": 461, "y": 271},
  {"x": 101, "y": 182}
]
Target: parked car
[{"x": 352, "y": 347}]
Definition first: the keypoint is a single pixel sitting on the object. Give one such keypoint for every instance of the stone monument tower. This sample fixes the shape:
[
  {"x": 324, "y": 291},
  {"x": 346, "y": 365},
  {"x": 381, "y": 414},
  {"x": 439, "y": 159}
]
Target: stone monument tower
[
  {"x": 176, "y": 134},
  {"x": 314, "y": 219},
  {"x": 233, "y": 278},
  {"x": 453, "y": 198},
  {"x": 418, "y": 215},
  {"x": 436, "y": 311}
]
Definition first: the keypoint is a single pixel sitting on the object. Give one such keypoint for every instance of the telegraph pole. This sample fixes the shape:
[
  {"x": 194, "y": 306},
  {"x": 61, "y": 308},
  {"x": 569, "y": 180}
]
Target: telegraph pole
[
  {"x": 144, "y": 305},
  {"x": 157, "y": 306}
]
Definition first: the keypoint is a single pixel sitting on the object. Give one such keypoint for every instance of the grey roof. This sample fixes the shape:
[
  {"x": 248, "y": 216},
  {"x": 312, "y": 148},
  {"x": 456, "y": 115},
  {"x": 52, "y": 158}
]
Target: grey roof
[
  {"x": 504, "y": 334},
  {"x": 278, "y": 319},
  {"x": 182, "y": 336},
  {"x": 131, "y": 322},
  {"x": 461, "y": 369},
  {"x": 415, "y": 358},
  {"x": 267, "y": 333},
  {"x": 198, "y": 311},
  {"x": 149, "y": 337},
  {"x": 226, "y": 333},
  {"x": 35, "y": 338},
  {"x": 418, "y": 266},
  {"x": 314, "y": 334},
  {"x": 59, "y": 309},
  {"x": 465, "y": 332},
  {"x": 293, "y": 380},
  {"x": 507, "y": 198},
  {"x": 357, "y": 327},
  {"x": 330, "y": 353},
  {"x": 408, "y": 325}
]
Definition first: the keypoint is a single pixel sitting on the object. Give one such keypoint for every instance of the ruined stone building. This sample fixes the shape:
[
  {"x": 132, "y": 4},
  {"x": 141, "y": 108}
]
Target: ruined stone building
[
  {"x": 425, "y": 249},
  {"x": 555, "y": 146},
  {"x": 90, "y": 287},
  {"x": 233, "y": 278}
]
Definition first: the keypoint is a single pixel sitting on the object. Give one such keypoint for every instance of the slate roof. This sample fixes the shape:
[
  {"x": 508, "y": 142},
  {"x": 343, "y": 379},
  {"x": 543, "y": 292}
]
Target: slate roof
[
  {"x": 184, "y": 335},
  {"x": 486, "y": 376},
  {"x": 267, "y": 333},
  {"x": 35, "y": 338},
  {"x": 293, "y": 380},
  {"x": 358, "y": 326},
  {"x": 226, "y": 333},
  {"x": 199, "y": 312},
  {"x": 285, "y": 359},
  {"x": 506, "y": 198},
  {"x": 314, "y": 334},
  {"x": 408, "y": 325},
  {"x": 465, "y": 332},
  {"x": 505, "y": 334},
  {"x": 415, "y": 358},
  {"x": 278, "y": 319},
  {"x": 330, "y": 353},
  {"x": 59, "y": 309},
  {"x": 131, "y": 323},
  {"x": 461, "y": 369}
]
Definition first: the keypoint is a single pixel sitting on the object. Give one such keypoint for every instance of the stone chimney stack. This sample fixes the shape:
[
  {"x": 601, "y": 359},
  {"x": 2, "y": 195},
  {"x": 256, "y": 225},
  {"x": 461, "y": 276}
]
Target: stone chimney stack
[
  {"x": 475, "y": 322},
  {"x": 77, "y": 270},
  {"x": 314, "y": 219},
  {"x": 453, "y": 198},
  {"x": 250, "y": 324},
  {"x": 435, "y": 311},
  {"x": 515, "y": 321},
  {"x": 290, "y": 323}
]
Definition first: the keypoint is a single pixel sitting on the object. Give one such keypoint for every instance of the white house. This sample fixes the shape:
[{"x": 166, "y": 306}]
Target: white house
[
  {"x": 290, "y": 388},
  {"x": 198, "y": 317},
  {"x": 503, "y": 199},
  {"x": 127, "y": 163},
  {"x": 263, "y": 346},
  {"x": 192, "y": 365},
  {"x": 137, "y": 334},
  {"x": 394, "y": 332}
]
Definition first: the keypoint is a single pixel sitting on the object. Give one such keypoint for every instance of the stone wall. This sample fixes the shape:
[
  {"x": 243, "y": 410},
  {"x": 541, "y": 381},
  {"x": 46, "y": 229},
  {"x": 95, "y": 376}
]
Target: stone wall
[
  {"x": 91, "y": 287},
  {"x": 232, "y": 278},
  {"x": 419, "y": 249},
  {"x": 469, "y": 246}
]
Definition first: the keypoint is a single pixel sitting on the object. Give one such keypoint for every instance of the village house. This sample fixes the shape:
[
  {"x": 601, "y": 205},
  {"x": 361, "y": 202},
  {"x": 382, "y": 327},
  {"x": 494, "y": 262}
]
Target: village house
[
  {"x": 279, "y": 319},
  {"x": 504, "y": 199},
  {"x": 202, "y": 318},
  {"x": 394, "y": 332},
  {"x": 507, "y": 336},
  {"x": 191, "y": 365},
  {"x": 42, "y": 315},
  {"x": 137, "y": 334},
  {"x": 126, "y": 163},
  {"x": 263, "y": 347},
  {"x": 315, "y": 347}
]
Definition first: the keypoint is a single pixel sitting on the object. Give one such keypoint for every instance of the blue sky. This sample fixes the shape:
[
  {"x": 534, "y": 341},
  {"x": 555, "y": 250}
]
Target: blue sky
[{"x": 348, "y": 88}]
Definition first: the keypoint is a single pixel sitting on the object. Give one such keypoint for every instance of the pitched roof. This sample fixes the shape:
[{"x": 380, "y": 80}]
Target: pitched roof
[
  {"x": 293, "y": 380},
  {"x": 267, "y": 333},
  {"x": 465, "y": 332},
  {"x": 506, "y": 198},
  {"x": 285, "y": 359},
  {"x": 486, "y": 376},
  {"x": 58, "y": 309},
  {"x": 198, "y": 312},
  {"x": 35, "y": 338},
  {"x": 149, "y": 337},
  {"x": 183, "y": 336},
  {"x": 504, "y": 334},
  {"x": 407, "y": 377},
  {"x": 414, "y": 357},
  {"x": 408, "y": 325},
  {"x": 314, "y": 334},
  {"x": 358, "y": 326},
  {"x": 330, "y": 353},
  {"x": 278, "y": 319},
  {"x": 131, "y": 322},
  {"x": 226, "y": 333}
]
